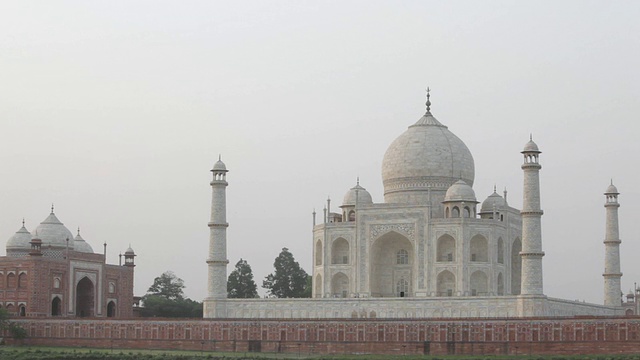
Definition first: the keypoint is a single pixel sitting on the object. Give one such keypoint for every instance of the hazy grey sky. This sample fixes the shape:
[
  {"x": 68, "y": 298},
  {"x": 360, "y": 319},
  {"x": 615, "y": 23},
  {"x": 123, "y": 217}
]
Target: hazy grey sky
[{"x": 116, "y": 111}]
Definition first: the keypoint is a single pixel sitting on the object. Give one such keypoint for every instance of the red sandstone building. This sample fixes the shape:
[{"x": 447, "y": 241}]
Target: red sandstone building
[{"x": 51, "y": 273}]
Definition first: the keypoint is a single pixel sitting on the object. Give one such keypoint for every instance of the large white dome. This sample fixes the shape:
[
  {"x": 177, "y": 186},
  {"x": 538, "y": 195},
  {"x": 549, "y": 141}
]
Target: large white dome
[
  {"x": 52, "y": 232},
  {"x": 426, "y": 156}
]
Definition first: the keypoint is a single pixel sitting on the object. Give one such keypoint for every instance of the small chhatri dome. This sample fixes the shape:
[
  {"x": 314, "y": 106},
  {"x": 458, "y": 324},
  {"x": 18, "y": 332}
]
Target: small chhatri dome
[
  {"x": 129, "y": 251},
  {"x": 493, "y": 201},
  {"x": 19, "y": 241},
  {"x": 219, "y": 165},
  {"x": 79, "y": 244},
  {"x": 52, "y": 232},
  {"x": 531, "y": 146},
  {"x": 460, "y": 191},
  {"x": 363, "y": 196}
]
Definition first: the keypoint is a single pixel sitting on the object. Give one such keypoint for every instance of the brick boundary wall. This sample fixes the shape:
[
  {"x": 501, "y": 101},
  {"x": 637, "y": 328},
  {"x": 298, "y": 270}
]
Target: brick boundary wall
[{"x": 584, "y": 335}]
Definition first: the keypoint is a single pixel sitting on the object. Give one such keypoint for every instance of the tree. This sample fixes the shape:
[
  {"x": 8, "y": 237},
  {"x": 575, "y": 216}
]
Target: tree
[
  {"x": 289, "y": 280},
  {"x": 16, "y": 331},
  {"x": 167, "y": 285},
  {"x": 240, "y": 283},
  {"x": 165, "y": 298},
  {"x": 307, "y": 289},
  {"x": 158, "y": 306}
]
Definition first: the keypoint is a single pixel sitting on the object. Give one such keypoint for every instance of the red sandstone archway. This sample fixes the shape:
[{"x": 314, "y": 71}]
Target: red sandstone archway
[
  {"x": 111, "y": 309},
  {"x": 56, "y": 307},
  {"x": 85, "y": 298}
]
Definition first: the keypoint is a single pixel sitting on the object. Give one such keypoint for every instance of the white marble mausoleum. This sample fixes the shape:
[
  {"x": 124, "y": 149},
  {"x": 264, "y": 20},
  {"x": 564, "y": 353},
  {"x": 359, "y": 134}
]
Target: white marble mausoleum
[{"x": 431, "y": 249}]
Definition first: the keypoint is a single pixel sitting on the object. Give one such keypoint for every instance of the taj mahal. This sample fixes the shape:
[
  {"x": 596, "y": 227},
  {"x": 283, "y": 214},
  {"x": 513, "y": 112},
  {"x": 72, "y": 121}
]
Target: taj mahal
[{"x": 430, "y": 250}]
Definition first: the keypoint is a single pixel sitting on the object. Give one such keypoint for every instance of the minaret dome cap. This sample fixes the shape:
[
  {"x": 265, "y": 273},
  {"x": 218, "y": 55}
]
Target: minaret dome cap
[
  {"x": 612, "y": 190},
  {"x": 219, "y": 166},
  {"x": 531, "y": 147}
]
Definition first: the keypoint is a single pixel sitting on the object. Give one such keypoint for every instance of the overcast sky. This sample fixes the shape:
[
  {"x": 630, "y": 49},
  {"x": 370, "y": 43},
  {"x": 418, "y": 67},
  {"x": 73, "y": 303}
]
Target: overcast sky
[{"x": 116, "y": 111}]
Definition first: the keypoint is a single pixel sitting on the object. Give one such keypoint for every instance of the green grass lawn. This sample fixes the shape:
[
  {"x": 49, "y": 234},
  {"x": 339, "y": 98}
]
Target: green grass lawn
[{"x": 60, "y": 353}]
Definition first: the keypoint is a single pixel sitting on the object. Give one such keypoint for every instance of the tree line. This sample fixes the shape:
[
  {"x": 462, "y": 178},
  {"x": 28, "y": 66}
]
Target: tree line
[{"x": 165, "y": 297}]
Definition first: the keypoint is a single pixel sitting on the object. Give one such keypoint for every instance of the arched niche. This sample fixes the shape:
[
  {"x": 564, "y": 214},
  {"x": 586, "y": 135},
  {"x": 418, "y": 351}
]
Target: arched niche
[
  {"x": 56, "y": 306},
  {"x": 384, "y": 269},
  {"x": 446, "y": 283},
  {"x": 479, "y": 249},
  {"x": 446, "y": 249},
  {"x": 500, "y": 250},
  {"x": 85, "y": 298},
  {"x": 516, "y": 266},
  {"x": 318, "y": 252},
  {"x": 111, "y": 309},
  {"x": 479, "y": 284},
  {"x": 340, "y": 251},
  {"x": 317, "y": 285},
  {"x": 500, "y": 282},
  {"x": 11, "y": 281},
  {"x": 22, "y": 280},
  {"x": 340, "y": 285}
]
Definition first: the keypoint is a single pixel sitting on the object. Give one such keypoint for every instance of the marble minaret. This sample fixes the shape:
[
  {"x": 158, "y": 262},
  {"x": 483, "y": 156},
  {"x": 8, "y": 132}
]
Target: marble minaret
[
  {"x": 612, "y": 274},
  {"x": 217, "y": 260},
  {"x": 531, "y": 282}
]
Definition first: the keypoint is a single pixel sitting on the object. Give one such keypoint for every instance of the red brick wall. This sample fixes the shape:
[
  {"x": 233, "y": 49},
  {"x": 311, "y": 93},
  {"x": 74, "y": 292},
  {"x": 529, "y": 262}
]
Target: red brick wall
[{"x": 382, "y": 336}]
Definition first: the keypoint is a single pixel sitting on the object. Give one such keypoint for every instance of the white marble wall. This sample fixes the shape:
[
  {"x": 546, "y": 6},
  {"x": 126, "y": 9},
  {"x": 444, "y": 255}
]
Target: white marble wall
[{"x": 448, "y": 307}]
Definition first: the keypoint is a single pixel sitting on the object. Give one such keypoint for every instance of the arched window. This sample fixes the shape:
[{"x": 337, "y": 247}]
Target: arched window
[
  {"x": 352, "y": 215},
  {"x": 56, "y": 307},
  {"x": 10, "y": 309},
  {"x": 22, "y": 310},
  {"x": 500, "y": 285},
  {"x": 402, "y": 257},
  {"x": 56, "y": 283},
  {"x": 455, "y": 212},
  {"x": 467, "y": 212},
  {"x": 446, "y": 212},
  {"x": 112, "y": 287},
  {"x": 111, "y": 309},
  {"x": 22, "y": 280},
  {"x": 11, "y": 281}
]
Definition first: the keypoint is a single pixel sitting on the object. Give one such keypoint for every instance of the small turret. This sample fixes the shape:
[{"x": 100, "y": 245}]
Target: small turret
[
  {"x": 36, "y": 246},
  {"x": 128, "y": 257}
]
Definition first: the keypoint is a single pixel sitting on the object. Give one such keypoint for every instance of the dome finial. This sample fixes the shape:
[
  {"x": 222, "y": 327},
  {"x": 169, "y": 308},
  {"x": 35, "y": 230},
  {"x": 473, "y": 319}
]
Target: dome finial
[
  {"x": 428, "y": 103},
  {"x": 52, "y": 208},
  {"x": 219, "y": 157},
  {"x": 494, "y": 187},
  {"x": 358, "y": 180},
  {"x": 530, "y": 137},
  {"x": 78, "y": 230},
  {"x": 22, "y": 222}
]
